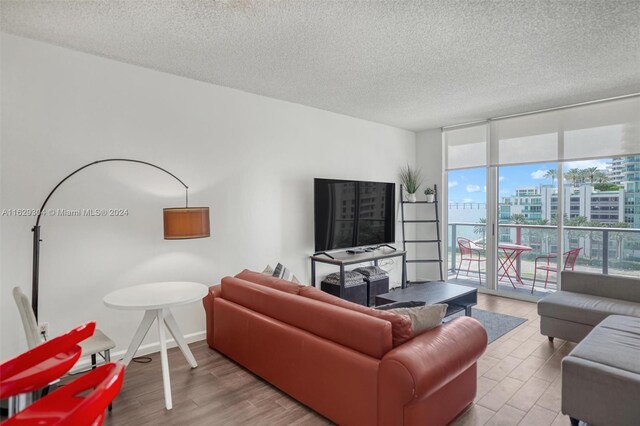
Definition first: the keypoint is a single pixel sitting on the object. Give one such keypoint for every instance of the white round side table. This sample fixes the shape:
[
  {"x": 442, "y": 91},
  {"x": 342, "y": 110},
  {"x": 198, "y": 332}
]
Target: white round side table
[{"x": 156, "y": 299}]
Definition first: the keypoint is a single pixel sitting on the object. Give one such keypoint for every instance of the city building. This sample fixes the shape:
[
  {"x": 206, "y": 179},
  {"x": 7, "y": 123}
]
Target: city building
[
  {"x": 632, "y": 190},
  {"x": 536, "y": 203}
]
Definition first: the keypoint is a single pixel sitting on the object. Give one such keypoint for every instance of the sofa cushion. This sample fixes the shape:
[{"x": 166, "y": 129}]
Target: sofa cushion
[
  {"x": 614, "y": 287},
  {"x": 614, "y": 342},
  {"x": 269, "y": 281},
  {"x": 584, "y": 308},
  {"x": 400, "y": 324},
  {"x": 362, "y": 333}
]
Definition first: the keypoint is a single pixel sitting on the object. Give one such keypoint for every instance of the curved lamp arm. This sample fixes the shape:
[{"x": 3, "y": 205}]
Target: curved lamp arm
[
  {"x": 36, "y": 228},
  {"x": 128, "y": 160}
]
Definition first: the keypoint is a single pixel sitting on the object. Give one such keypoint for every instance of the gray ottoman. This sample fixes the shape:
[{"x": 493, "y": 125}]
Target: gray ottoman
[{"x": 601, "y": 376}]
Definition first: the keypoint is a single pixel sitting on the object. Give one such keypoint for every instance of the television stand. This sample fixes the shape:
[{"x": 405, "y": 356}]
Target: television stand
[
  {"x": 323, "y": 253},
  {"x": 342, "y": 259}
]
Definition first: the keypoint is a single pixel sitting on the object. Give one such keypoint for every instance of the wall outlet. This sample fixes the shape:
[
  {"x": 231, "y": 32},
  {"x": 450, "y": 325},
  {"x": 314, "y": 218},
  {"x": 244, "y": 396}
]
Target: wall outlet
[{"x": 44, "y": 329}]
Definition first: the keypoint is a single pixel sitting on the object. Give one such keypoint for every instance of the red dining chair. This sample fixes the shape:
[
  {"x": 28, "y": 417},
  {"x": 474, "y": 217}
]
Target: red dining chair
[
  {"x": 82, "y": 402},
  {"x": 468, "y": 250},
  {"x": 569, "y": 263},
  {"x": 43, "y": 364}
]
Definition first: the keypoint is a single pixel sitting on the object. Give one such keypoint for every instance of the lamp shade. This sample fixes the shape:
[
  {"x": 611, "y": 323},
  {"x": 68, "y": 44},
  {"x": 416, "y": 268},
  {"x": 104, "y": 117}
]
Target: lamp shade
[{"x": 182, "y": 223}]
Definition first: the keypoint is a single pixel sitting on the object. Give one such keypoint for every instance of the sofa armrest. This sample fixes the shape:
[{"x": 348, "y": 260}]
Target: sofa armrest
[
  {"x": 207, "y": 301},
  {"x": 426, "y": 363}
]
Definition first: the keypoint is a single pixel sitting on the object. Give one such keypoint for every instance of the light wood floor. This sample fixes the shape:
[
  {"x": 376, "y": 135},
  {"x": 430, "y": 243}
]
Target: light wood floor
[{"x": 518, "y": 384}]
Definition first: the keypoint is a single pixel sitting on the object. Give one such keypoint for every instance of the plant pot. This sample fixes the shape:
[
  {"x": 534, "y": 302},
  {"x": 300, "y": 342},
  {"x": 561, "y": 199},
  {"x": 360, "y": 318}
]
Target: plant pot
[
  {"x": 430, "y": 198},
  {"x": 411, "y": 198}
]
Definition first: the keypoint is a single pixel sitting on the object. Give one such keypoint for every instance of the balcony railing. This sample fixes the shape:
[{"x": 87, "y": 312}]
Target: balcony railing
[{"x": 614, "y": 251}]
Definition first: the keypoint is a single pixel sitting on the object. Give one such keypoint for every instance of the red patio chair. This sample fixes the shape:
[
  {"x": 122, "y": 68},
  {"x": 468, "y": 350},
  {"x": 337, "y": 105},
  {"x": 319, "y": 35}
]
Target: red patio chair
[
  {"x": 467, "y": 250},
  {"x": 570, "y": 258}
]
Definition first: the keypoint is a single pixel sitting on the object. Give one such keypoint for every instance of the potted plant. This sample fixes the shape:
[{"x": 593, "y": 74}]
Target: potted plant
[
  {"x": 431, "y": 194},
  {"x": 411, "y": 180}
]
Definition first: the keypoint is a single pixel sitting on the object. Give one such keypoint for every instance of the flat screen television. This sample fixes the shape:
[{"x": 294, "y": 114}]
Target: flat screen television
[{"x": 350, "y": 213}]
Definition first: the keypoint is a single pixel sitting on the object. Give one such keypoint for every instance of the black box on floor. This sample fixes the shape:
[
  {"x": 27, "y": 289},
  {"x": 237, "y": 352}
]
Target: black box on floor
[
  {"x": 356, "y": 292},
  {"x": 377, "y": 285}
]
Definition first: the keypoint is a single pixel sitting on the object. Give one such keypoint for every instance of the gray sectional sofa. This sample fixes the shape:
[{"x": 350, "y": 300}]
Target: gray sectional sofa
[
  {"x": 585, "y": 300},
  {"x": 601, "y": 375}
]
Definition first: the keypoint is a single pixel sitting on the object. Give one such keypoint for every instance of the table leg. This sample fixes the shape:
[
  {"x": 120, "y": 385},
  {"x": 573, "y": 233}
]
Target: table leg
[
  {"x": 164, "y": 360},
  {"x": 404, "y": 271},
  {"x": 502, "y": 264},
  {"x": 142, "y": 330},
  {"x": 467, "y": 310},
  {"x": 172, "y": 325},
  {"x": 512, "y": 258},
  {"x": 515, "y": 269},
  {"x": 313, "y": 273},
  {"x": 506, "y": 265}
]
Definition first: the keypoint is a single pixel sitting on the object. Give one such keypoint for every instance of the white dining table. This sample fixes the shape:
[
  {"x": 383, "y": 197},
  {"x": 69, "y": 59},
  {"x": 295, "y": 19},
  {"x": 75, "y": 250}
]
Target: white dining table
[{"x": 157, "y": 299}]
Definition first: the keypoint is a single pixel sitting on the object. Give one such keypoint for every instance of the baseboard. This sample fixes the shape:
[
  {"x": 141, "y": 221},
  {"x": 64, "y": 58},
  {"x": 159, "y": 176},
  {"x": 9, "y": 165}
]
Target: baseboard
[{"x": 147, "y": 349}]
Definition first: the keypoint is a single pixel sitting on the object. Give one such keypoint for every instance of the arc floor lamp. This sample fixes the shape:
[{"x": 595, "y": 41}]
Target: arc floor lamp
[{"x": 179, "y": 222}]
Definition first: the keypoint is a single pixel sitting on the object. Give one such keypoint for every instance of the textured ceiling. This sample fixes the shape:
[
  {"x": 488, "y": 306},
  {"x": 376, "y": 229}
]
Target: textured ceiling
[{"x": 409, "y": 64}]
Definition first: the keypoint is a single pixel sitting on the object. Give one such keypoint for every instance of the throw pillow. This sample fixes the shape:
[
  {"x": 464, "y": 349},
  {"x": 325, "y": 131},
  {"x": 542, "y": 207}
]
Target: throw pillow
[
  {"x": 395, "y": 305},
  {"x": 423, "y": 318},
  {"x": 283, "y": 273},
  {"x": 269, "y": 281}
]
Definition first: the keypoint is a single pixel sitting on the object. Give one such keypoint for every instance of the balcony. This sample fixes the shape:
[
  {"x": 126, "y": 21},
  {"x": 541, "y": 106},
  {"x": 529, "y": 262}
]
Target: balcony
[{"x": 622, "y": 256}]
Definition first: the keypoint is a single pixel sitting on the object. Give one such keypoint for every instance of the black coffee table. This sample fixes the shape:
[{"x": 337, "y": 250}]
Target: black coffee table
[{"x": 458, "y": 297}]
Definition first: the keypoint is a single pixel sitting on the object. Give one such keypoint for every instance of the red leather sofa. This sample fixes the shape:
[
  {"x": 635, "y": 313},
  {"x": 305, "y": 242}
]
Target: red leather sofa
[{"x": 352, "y": 364}]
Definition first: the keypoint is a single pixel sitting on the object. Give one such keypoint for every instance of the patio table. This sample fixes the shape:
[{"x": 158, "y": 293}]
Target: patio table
[{"x": 511, "y": 253}]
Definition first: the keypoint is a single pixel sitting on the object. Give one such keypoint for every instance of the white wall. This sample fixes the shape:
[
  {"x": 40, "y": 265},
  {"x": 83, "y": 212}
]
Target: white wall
[
  {"x": 429, "y": 159},
  {"x": 251, "y": 159}
]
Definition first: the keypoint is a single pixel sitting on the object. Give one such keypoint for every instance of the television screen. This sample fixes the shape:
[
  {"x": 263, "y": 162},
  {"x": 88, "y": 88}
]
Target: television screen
[{"x": 352, "y": 213}]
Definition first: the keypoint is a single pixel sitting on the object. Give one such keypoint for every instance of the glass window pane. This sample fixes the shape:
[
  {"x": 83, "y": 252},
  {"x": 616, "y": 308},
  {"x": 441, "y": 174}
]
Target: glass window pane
[
  {"x": 602, "y": 216},
  {"x": 527, "y": 228}
]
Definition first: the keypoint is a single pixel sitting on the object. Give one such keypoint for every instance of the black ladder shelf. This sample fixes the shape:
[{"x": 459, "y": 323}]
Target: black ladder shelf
[{"x": 435, "y": 241}]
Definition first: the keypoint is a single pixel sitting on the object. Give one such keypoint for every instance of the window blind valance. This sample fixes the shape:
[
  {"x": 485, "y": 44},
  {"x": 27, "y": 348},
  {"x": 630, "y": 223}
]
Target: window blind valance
[
  {"x": 596, "y": 130},
  {"x": 466, "y": 147}
]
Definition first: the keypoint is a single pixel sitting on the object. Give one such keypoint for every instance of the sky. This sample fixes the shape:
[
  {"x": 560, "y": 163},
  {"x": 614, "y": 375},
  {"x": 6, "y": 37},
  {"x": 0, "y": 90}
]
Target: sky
[{"x": 469, "y": 185}]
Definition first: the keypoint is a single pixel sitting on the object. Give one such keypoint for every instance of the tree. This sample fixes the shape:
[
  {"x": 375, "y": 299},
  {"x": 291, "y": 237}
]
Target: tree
[
  {"x": 573, "y": 176},
  {"x": 551, "y": 174},
  {"x": 518, "y": 218},
  {"x": 606, "y": 187},
  {"x": 576, "y": 221},
  {"x": 600, "y": 177},
  {"x": 583, "y": 175},
  {"x": 591, "y": 172},
  {"x": 619, "y": 238},
  {"x": 480, "y": 229}
]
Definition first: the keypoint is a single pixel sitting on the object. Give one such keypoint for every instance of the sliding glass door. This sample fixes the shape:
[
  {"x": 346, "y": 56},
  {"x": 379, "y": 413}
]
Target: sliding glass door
[
  {"x": 467, "y": 217},
  {"x": 527, "y": 228},
  {"x": 466, "y": 200}
]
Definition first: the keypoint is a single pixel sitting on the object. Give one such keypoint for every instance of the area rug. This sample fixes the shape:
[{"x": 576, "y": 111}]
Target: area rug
[{"x": 496, "y": 324}]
